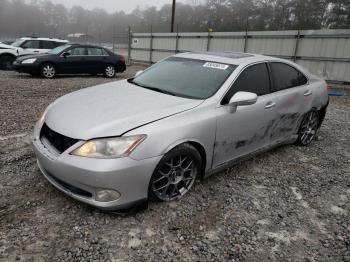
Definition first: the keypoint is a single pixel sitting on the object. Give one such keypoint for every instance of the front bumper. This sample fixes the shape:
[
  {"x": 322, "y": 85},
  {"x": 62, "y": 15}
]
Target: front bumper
[
  {"x": 81, "y": 177},
  {"x": 25, "y": 68}
]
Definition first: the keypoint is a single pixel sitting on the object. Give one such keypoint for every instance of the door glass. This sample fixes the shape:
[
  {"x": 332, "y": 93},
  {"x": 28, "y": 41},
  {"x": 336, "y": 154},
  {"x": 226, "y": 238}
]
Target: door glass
[
  {"x": 104, "y": 52},
  {"x": 94, "y": 51},
  {"x": 78, "y": 51},
  {"x": 32, "y": 44},
  {"x": 48, "y": 44},
  {"x": 285, "y": 76},
  {"x": 254, "y": 79}
]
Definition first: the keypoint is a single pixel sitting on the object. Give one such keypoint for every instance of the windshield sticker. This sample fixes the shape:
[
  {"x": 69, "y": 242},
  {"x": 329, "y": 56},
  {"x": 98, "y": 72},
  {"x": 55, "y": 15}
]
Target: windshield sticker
[{"x": 216, "y": 65}]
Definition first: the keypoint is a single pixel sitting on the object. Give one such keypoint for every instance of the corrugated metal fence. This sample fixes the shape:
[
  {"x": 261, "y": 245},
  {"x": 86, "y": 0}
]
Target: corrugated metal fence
[{"x": 324, "y": 52}]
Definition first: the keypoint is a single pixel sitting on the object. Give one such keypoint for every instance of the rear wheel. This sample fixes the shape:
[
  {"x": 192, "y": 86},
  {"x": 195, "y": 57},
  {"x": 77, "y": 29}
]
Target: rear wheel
[
  {"x": 109, "y": 71},
  {"x": 308, "y": 128},
  {"x": 6, "y": 62},
  {"x": 48, "y": 71},
  {"x": 175, "y": 174}
]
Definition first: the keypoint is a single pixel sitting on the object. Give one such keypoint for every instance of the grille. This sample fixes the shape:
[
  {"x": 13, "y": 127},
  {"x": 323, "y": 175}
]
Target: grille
[{"x": 60, "y": 142}]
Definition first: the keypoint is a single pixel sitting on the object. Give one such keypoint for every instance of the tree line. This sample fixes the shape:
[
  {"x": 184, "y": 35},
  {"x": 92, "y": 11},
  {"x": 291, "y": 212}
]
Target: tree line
[{"x": 43, "y": 18}]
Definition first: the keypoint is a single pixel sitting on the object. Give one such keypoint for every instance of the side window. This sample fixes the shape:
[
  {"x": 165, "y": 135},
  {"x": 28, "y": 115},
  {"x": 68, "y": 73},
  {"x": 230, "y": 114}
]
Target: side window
[
  {"x": 78, "y": 51},
  {"x": 104, "y": 52},
  {"x": 254, "y": 79},
  {"x": 33, "y": 44},
  {"x": 285, "y": 76},
  {"x": 59, "y": 43},
  {"x": 48, "y": 44},
  {"x": 95, "y": 51}
]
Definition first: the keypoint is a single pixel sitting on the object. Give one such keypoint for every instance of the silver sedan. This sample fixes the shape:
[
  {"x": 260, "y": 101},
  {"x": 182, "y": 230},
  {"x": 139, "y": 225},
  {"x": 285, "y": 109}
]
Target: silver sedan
[{"x": 186, "y": 117}]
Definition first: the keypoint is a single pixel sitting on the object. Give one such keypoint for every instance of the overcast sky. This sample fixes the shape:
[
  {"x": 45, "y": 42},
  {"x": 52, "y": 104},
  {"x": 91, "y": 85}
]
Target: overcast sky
[{"x": 118, "y": 5}]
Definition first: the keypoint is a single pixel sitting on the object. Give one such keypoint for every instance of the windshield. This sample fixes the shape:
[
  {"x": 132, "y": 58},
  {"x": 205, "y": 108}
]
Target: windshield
[
  {"x": 17, "y": 43},
  {"x": 58, "y": 49},
  {"x": 185, "y": 77}
]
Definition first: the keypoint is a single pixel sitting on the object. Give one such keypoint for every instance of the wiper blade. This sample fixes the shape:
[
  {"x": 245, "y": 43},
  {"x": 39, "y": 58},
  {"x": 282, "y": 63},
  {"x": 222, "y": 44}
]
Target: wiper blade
[
  {"x": 152, "y": 88},
  {"x": 160, "y": 90}
]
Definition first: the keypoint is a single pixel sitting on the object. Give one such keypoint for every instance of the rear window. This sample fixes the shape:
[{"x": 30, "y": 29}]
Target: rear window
[
  {"x": 285, "y": 76},
  {"x": 48, "y": 44}
]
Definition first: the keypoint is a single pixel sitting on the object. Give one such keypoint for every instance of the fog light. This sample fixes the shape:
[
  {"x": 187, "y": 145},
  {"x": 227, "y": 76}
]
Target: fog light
[{"x": 106, "y": 195}]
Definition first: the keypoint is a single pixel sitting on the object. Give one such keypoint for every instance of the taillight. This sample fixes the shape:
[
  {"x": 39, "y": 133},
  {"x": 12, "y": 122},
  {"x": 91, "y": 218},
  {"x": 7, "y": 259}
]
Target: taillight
[{"x": 122, "y": 59}]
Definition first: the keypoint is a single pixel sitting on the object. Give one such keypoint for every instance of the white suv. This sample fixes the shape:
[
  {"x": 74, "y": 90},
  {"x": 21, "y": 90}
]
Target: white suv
[{"x": 26, "y": 46}]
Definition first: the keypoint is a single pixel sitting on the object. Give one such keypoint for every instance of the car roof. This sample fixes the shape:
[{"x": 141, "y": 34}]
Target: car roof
[
  {"x": 87, "y": 45},
  {"x": 234, "y": 58},
  {"x": 45, "y": 39}
]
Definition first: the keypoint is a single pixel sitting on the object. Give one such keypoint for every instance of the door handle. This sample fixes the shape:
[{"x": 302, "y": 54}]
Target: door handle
[
  {"x": 307, "y": 93},
  {"x": 36, "y": 51},
  {"x": 270, "y": 105}
]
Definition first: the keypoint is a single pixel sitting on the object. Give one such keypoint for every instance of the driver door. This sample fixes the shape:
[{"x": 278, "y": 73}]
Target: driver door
[
  {"x": 75, "y": 62},
  {"x": 248, "y": 128}
]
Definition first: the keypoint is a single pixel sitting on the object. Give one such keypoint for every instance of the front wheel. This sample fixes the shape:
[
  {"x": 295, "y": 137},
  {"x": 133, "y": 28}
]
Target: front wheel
[
  {"x": 175, "y": 174},
  {"x": 308, "y": 128},
  {"x": 109, "y": 71},
  {"x": 48, "y": 71}
]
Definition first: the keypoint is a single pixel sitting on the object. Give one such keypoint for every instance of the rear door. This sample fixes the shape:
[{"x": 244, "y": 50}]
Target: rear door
[
  {"x": 293, "y": 96},
  {"x": 46, "y": 45},
  {"x": 75, "y": 62},
  {"x": 96, "y": 59},
  {"x": 248, "y": 129}
]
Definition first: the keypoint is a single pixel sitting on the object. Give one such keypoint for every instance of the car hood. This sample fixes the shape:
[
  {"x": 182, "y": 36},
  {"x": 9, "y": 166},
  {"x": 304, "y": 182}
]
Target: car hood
[
  {"x": 4, "y": 46},
  {"x": 111, "y": 110},
  {"x": 25, "y": 57}
]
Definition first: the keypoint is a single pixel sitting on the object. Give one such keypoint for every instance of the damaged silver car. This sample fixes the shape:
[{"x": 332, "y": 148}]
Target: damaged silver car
[{"x": 118, "y": 144}]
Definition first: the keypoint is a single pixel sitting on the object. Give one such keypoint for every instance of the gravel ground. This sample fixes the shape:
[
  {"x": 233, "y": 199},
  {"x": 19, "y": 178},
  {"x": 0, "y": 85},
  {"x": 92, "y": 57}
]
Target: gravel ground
[{"x": 290, "y": 204}]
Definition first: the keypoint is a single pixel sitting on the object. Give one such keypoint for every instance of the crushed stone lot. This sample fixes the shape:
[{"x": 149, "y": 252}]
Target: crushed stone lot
[{"x": 289, "y": 204}]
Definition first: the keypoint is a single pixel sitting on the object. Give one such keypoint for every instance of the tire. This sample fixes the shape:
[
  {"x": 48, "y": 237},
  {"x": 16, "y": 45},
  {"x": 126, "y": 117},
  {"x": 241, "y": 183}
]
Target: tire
[
  {"x": 308, "y": 128},
  {"x": 175, "y": 174},
  {"x": 6, "y": 62},
  {"x": 109, "y": 71},
  {"x": 48, "y": 71}
]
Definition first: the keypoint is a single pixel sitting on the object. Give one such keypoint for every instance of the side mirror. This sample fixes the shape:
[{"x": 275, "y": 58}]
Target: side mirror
[
  {"x": 138, "y": 73},
  {"x": 242, "y": 99},
  {"x": 65, "y": 54}
]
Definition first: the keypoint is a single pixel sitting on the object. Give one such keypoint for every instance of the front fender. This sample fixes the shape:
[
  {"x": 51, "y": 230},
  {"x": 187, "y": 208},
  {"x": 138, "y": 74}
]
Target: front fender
[
  {"x": 197, "y": 125},
  {"x": 182, "y": 141}
]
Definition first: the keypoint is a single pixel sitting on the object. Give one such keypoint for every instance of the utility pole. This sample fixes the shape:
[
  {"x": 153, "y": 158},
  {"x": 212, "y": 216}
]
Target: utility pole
[{"x": 173, "y": 16}]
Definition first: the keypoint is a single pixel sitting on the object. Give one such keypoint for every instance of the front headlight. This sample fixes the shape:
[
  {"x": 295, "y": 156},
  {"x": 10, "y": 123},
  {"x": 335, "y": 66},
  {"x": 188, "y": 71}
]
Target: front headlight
[
  {"x": 113, "y": 147},
  {"x": 29, "y": 61}
]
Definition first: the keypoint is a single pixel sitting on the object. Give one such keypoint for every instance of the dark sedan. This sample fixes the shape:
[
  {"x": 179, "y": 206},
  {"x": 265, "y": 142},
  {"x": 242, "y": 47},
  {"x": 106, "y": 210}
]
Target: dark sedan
[{"x": 72, "y": 59}]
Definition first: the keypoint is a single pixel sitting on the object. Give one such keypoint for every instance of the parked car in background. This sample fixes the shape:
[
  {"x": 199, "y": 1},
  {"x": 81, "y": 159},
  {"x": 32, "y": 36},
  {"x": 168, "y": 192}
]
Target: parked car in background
[
  {"x": 184, "y": 118},
  {"x": 7, "y": 42},
  {"x": 72, "y": 59},
  {"x": 26, "y": 46}
]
